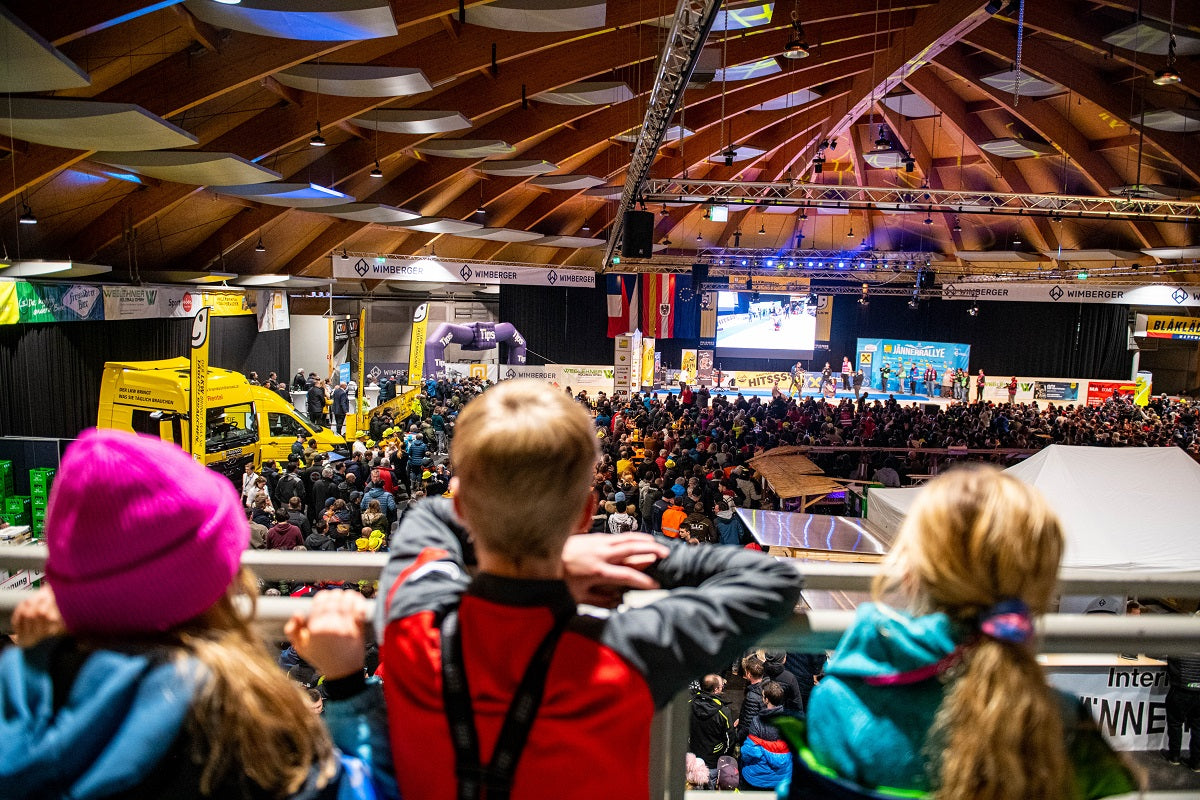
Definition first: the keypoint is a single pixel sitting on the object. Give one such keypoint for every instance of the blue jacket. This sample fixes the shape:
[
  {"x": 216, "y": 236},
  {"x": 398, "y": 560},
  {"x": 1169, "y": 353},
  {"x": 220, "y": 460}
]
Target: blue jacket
[
  {"x": 386, "y": 501},
  {"x": 416, "y": 453},
  {"x": 766, "y": 759},
  {"x": 120, "y": 727},
  {"x": 875, "y": 735}
]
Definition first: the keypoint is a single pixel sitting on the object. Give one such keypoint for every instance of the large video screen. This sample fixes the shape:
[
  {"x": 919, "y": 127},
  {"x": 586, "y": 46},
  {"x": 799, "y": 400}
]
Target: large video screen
[{"x": 760, "y": 325}]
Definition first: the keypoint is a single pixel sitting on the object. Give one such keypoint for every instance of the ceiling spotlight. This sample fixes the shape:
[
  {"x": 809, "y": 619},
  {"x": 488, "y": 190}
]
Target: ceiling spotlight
[
  {"x": 586, "y": 228},
  {"x": 850, "y": 233},
  {"x": 803, "y": 215},
  {"x": 737, "y": 238},
  {"x": 812, "y": 299},
  {"x": 818, "y": 164},
  {"x": 729, "y": 155},
  {"x": 973, "y": 310},
  {"x": 699, "y": 238},
  {"x": 913, "y": 303},
  {"x": 863, "y": 301},
  {"x": 754, "y": 297},
  {"x": 228, "y": 2},
  {"x": 27, "y": 217},
  {"x": 883, "y": 142},
  {"x": 928, "y": 219},
  {"x": 957, "y": 228},
  {"x": 667, "y": 241},
  {"x": 260, "y": 247},
  {"x": 317, "y": 140},
  {"x": 377, "y": 172},
  {"x": 345, "y": 254},
  {"x": 1168, "y": 76},
  {"x": 662, "y": 212},
  {"x": 481, "y": 210},
  {"x": 797, "y": 46},
  {"x": 910, "y": 164},
  {"x": 762, "y": 229}
]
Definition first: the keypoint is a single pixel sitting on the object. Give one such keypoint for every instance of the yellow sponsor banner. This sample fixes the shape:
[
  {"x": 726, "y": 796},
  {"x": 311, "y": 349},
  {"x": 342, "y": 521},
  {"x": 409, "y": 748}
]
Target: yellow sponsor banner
[
  {"x": 767, "y": 283},
  {"x": 824, "y": 317},
  {"x": 687, "y": 362},
  {"x": 416, "y": 349},
  {"x": 647, "y": 361},
  {"x": 10, "y": 309},
  {"x": 1158, "y": 326},
  {"x": 198, "y": 391},
  {"x": 228, "y": 304}
]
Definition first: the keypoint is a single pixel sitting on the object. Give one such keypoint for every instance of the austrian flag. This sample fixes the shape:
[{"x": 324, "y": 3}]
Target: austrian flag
[
  {"x": 622, "y": 304},
  {"x": 658, "y": 306}
]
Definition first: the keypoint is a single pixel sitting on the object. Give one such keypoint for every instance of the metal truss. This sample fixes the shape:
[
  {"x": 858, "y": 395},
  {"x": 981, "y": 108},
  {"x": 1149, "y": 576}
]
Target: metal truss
[
  {"x": 894, "y": 198},
  {"x": 685, "y": 40}
]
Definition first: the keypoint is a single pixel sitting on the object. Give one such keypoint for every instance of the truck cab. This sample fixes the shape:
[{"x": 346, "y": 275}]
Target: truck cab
[{"x": 279, "y": 423}]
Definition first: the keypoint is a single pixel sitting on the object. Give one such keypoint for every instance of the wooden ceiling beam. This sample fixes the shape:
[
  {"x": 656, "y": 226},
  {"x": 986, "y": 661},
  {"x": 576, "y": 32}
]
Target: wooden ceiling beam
[
  {"x": 202, "y": 33},
  {"x": 1187, "y": 15},
  {"x": 59, "y": 26}
]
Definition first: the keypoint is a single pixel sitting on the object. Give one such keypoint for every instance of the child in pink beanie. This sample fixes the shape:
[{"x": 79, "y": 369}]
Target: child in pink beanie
[{"x": 139, "y": 673}]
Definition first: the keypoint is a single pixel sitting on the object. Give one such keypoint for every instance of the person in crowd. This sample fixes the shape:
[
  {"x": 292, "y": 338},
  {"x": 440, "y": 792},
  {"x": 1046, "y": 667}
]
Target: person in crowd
[
  {"x": 314, "y": 400},
  {"x": 697, "y": 528},
  {"x": 942, "y": 693},
  {"x": 283, "y": 535},
  {"x": 258, "y": 533},
  {"x": 340, "y": 408},
  {"x": 797, "y": 379},
  {"x": 766, "y": 761},
  {"x": 319, "y": 539},
  {"x": 257, "y": 489},
  {"x": 775, "y": 669},
  {"x": 249, "y": 476},
  {"x": 752, "y": 699},
  {"x": 373, "y": 516},
  {"x": 1012, "y": 390},
  {"x": 730, "y": 528},
  {"x": 624, "y": 519},
  {"x": 516, "y": 624},
  {"x": 847, "y": 371},
  {"x": 674, "y": 515},
  {"x": 296, "y": 516},
  {"x": 1183, "y": 708},
  {"x": 980, "y": 385},
  {"x": 299, "y": 384},
  {"x": 930, "y": 380},
  {"x": 140, "y": 673},
  {"x": 710, "y": 723},
  {"x": 858, "y": 379}
]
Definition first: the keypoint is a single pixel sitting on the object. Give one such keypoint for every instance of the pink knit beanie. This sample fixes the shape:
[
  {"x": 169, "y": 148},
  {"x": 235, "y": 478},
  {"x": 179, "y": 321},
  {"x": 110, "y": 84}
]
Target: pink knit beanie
[{"x": 141, "y": 537}]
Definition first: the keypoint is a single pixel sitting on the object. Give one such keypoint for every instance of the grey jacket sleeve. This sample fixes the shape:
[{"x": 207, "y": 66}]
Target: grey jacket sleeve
[
  {"x": 721, "y": 600},
  {"x": 427, "y": 564}
]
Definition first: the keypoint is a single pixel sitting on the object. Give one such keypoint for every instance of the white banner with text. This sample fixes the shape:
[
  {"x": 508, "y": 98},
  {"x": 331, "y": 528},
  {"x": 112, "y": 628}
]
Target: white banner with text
[{"x": 431, "y": 270}]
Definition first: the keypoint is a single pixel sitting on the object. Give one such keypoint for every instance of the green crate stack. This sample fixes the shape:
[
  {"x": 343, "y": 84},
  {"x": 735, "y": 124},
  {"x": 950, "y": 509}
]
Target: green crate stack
[
  {"x": 40, "y": 481},
  {"x": 17, "y": 510},
  {"x": 6, "y": 479}
]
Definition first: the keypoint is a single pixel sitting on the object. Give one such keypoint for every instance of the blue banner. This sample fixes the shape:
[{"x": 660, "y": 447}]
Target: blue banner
[{"x": 901, "y": 355}]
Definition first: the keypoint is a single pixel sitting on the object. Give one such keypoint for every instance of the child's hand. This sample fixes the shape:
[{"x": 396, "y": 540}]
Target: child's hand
[
  {"x": 333, "y": 637},
  {"x": 601, "y": 567},
  {"x": 37, "y": 618}
]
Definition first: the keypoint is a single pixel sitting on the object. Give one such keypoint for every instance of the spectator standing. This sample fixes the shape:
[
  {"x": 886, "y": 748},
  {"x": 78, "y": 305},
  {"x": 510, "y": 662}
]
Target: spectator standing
[
  {"x": 299, "y": 384},
  {"x": 673, "y": 516},
  {"x": 930, "y": 380},
  {"x": 1012, "y": 390},
  {"x": 847, "y": 371},
  {"x": 980, "y": 383},
  {"x": 283, "y": 535},
  {"x": 1183, "y": 707},
  {"x": 340, "y": 408},
  {"x": 765, "y": 760},
  {"x": 710, "y": 723},
  {"x": 314, "y": 400}
]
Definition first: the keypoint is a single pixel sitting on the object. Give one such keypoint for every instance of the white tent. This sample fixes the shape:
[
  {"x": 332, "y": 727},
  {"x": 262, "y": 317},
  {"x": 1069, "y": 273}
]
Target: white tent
[{"x": 1132, "y": 508}]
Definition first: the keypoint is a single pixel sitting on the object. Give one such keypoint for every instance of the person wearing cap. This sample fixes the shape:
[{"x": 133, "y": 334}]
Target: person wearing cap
[{"x": 139, "y": 672}]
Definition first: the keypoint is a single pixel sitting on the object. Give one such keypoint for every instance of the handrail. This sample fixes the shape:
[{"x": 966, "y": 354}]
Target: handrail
[{"x": 309, "y": 565}]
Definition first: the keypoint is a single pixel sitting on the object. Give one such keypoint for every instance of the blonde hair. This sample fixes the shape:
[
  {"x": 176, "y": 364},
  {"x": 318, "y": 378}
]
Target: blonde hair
[
  {"x": 975, "y": 537},
  {"x": 248, "y": 722},
  {"x": 523, "y": 433}
]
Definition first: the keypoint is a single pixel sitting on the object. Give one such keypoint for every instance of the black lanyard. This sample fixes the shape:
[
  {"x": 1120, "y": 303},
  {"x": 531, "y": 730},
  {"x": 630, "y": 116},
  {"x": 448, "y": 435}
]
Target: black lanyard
[{"x": 498, "y": 776}]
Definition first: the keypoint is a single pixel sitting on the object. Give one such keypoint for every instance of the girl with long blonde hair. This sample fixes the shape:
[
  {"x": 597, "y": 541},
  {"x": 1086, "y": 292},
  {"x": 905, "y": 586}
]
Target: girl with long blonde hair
[{"x": 940, "y": 693}]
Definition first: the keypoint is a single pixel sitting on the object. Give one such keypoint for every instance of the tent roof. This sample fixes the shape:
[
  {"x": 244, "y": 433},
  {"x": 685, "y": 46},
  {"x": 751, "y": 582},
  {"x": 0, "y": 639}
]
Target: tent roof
[{"x": 1122, "y": 508}]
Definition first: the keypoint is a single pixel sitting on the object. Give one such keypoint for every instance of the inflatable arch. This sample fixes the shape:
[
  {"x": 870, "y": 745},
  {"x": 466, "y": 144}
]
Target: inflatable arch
[{"x": 476, "y": 336}]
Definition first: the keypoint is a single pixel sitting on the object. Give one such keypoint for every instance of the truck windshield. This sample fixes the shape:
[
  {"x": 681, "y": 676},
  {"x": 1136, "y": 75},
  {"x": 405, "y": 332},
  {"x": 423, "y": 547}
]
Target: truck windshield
[{"x": 230, "y": 426}]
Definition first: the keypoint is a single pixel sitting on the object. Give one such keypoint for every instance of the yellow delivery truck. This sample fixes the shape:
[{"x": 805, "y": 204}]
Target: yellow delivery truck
[{"x": 245, "y": 424}]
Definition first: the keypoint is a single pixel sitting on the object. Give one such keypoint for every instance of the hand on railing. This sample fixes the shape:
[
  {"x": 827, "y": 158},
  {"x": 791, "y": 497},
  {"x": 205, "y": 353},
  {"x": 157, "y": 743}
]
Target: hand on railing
[
  {"x": 37, "y": 618},
  {"x": 332, "y": 636}
]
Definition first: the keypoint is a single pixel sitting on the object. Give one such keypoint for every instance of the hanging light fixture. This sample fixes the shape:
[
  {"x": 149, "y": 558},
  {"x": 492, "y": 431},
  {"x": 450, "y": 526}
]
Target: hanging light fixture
[
  {"x": 850, "y": 233},
  {"x": 928, "y": 219},
  {"x": 762, "y": 229},
  {"x": 699, "y": 238},
  {"x": 663, "y": 211},
  {"x": 884, "y": 142},
  {"x": 957, "y": 228},
  {"x": 730, "y": 155},
  {"x": 667, "y": 241},
  {"x": 317, "y": 140},
  {"x": 27, "y": 217},
  {"x": 260, "y": 247},
  {"x": 1170, "y": 75},
  {"x": 377, "y": 172},
  {"x": 973, "y": 310},
  {"x": 797, "y": 46}
]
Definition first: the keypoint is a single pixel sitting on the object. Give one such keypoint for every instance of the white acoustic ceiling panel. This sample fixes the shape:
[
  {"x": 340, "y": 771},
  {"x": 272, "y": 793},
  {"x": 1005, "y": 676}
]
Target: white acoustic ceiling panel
[
  {"x": 754, "y": 69},
  {"x": 89, "y": 125},
  {"x": 790, "y": 100},
  {"x": 1152, "y": 36},
  {"x": 1173, "y": 252},
  {"x": 292, "y": 195},
  {"x": 996, "y": 256},
  {"x": 567, "y": 182},
  {"x": 910, "y": 105},
  {"x": 57, "y": 270},
  {"x": 502, "y": 235},
  {"x": 743, "y": 152},
  {"x": 673, "y": 134},
  {"x": 605, "y": 192},
  {"x": 439, "y": 225},
  {"x": 466, "y": 148},
  {"x": 1093, "y": 255},
  {"x": 190, "y": 166},
  {"x": 412, "y": 120},
  {"x": 1013, "y": 147},
  {"x": 829, "y": 211},
  {"x": 573, "y": 242},
  {"x": 887, "y": 158},
  {"x": 1006, "y": 81},
  {"x": 1182, "y": 121},
  {"x": 1153, "y": 191},
  {"x": 539, "y": 16},
  {"x": 517, "y": 169},
  {"x": 587, "y": 93},
  {"x": 355, "y": 80},
  {"x": 309, "y": 20},
  {"x": 30, "y": 63},
  {"x": 368, "y": 212}
]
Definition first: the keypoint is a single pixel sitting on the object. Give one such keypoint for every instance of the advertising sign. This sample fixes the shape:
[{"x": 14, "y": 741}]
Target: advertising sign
[
  {"x": 1080, "y": 292},
  {"x": 1128, "y": 703},
  {"x": 416, "y": 347},
  {"x": 622, "y": 359},
  {"x": 381, "y": 370},
  {"x": 198, "y": 391},
  {"x": 22, "y": 579},
  {"x": 1100, "y": 391},
  {"x": 271, "y": 307},
  {"x": 704, "y": 367},
  {"x": 744, "y": 282},
  {"x": 51, "y": 303},
  {"x": 1056, "y": 391},
  {"x": 901, "y": 354},
  {"x": 577, "y": 376},
  {"x": 687, "y": 365},
  {"x": 431, "y": 270},
  {"x": 1164, "y": 327},
  {"x": 10, "y": 310},
  {"x": 649, "y": 359}
]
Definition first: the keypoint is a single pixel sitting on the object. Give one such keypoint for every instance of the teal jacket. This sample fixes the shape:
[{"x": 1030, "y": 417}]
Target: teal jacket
[{"x": 874, "y": 735}]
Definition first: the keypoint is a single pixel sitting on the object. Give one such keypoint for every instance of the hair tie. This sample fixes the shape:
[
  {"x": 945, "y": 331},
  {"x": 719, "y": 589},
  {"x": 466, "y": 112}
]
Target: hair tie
[{"x": 1008, "y": 621}]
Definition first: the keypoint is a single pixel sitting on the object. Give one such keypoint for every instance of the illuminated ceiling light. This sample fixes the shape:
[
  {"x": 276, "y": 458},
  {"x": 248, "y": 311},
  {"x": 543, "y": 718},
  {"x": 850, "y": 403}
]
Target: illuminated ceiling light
[
  {"x": 729, "y": 156},
  {"x": 928, "y": 220},
  {"x": 377, "y": 172},
  {"x": 1168, "y": 76},
  {"x": 819, "y": 164},
  {"x": 1083, "y": 276},
  {"x": 762, "y": 229},
  {"x": 912, "y": 303},
  {"x": 973, "y": 310},
  {"x": 957, "y": 228},
  {"x": 850, "y": 233},
  {"x": 317, "y": 140},
  {"x": 797, "y": 46},
  {"x": 260, "y": 247},
  {"x": 667, "y": 241},
  {"x": 699, "y": 238},
  {"x": 27, "y": 217},
  {"x": 883, "y": 142},
  {"x": 663, "y": 211},
  {"x": 481, "y": 210},
  {"x": 228, "y": 2}
]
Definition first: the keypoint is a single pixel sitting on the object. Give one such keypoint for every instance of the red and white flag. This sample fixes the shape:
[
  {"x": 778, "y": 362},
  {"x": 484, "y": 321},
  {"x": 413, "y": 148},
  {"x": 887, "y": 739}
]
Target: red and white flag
[
  {"x": 658, "y": 305},
  {"x": 622, "y": 304}
]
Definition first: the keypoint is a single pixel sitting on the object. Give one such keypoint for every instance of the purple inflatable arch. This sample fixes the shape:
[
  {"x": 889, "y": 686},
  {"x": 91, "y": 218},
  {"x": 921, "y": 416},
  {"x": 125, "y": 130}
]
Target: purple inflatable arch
[{"x": 476, "y": 336}]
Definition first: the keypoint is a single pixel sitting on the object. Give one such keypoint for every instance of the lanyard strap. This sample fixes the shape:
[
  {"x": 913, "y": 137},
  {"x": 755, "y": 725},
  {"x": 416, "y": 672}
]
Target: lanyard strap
[{"x": 498, "y": 776}]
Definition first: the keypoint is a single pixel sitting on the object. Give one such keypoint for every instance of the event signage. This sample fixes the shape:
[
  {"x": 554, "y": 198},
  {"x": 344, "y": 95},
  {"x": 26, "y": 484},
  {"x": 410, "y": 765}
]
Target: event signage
[
  {"x": 901, "y": 355},
  {"x": 22, "y": 579},
  {"x": 59, "y": 303},
  {"x": 432, "y": 270},
  {"x": 140, "y": 302},
  {"x": 1164, "y": 327},
  {"x": 577, "y": 376},
  {"x": 1127, "y": 703},
  {"x": 1075, "y": 292},
  {"x": 1056, "y": 391},
  {"x": 745, "y": 282}
]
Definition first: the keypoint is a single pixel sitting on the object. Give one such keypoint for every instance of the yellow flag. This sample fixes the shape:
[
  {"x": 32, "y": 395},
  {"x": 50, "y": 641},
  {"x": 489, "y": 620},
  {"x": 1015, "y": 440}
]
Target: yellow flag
[
  {"x": 198, "y": 391},
  {"x": 416, "y": 350}
]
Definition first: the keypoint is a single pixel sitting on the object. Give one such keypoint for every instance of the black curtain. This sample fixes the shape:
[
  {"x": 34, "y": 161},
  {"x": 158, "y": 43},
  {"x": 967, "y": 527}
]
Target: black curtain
[
  {"x": 1078, "y": 340},
  {"x": 50, "y": 373},
  {"x": 238, "y": 345},
  {"x": 561, "y": 326}
]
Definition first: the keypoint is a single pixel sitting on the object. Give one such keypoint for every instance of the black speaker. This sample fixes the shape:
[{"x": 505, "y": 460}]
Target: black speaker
[
  {"x": 926, "y": 278},
  {"x": 932, "y": 408},
  {"x": 699, "y": 277},
  {"x": 638, "y": 238}
]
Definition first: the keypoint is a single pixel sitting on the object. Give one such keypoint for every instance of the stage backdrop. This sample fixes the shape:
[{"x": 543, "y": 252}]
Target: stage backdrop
[{"x": 900, "y": 354}]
